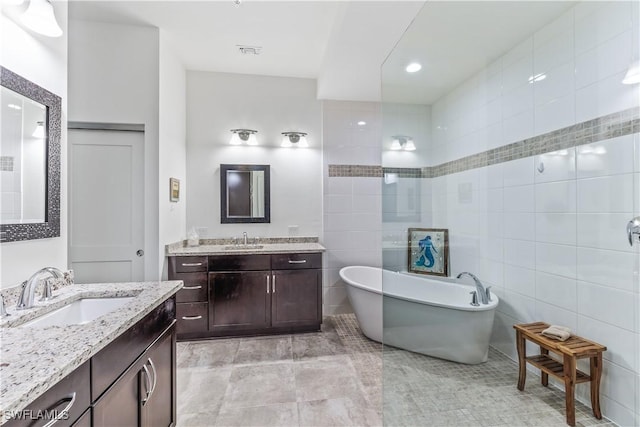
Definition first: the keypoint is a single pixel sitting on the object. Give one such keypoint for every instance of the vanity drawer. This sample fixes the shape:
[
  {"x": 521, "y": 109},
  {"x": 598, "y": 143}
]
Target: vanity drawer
[
  {"x": 192, "y": 317},
  {"x": 296, "y": 261},
  {"x": 196, "y": 287},
  {"x": 72, "y": 392},
  {"x": 239, "y": 262},
  {"x": 188, "y": 264}
]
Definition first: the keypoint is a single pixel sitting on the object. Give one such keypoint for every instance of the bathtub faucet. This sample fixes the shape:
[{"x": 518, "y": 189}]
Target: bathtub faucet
[{"x": 483, "y": 292}]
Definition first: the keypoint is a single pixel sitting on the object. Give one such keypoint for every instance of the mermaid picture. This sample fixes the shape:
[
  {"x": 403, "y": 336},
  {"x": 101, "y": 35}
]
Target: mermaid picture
[
  {"x": 428, "y": 251},
  {"x": 426, "y": 245}
]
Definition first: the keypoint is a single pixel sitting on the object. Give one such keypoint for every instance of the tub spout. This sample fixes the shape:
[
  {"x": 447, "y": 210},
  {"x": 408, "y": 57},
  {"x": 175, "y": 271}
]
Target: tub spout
[{"x": 482, "y": 292}]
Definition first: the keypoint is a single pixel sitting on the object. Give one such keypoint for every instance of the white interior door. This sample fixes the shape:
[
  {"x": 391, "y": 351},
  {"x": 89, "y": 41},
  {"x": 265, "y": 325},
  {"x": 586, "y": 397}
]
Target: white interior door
[{"x": 106, "y": 205}]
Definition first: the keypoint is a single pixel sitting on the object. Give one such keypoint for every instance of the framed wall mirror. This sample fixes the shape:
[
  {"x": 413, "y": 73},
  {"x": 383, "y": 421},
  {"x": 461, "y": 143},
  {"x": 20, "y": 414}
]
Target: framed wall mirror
[
  {"x": 244, "y": 194},
  {"x": 400, "y": 198},
  {"x": 29, "y": 159}
]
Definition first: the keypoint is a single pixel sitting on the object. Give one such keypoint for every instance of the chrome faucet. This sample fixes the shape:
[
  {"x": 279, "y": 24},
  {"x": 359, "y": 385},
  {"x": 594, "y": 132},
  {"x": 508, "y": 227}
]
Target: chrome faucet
[
  {"x": 29, "y": 286},
  {"x": 483, "y": 293},
  {"x": 245, "y": 238}
]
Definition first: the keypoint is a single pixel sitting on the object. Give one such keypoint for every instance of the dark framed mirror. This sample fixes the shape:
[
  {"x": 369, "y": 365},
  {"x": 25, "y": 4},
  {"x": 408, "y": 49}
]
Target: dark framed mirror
[
  {"x": 400, "y": 197},
  {"x": 29, "y": 159},
  {"x": 244, "y": 194}
]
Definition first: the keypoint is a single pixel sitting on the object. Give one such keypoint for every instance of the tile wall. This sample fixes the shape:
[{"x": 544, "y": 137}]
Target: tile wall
[
  {"x": 351, "y": 204},
  {"x": 548, "y": 231}
]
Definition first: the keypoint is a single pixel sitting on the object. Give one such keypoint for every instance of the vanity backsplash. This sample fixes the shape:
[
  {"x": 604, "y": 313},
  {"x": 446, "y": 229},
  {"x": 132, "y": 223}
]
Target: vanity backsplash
[{"x": 171, "y": 248}]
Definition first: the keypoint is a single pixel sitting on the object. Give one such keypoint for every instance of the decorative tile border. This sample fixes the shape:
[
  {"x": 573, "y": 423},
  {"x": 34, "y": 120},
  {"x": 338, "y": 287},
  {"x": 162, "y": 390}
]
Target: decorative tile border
[
  {"x": 6, "y": 163},
  {"x": 364, "y": 171},
  {"x": 404, "y": 172},
  {"x": 599, "y": 129}
]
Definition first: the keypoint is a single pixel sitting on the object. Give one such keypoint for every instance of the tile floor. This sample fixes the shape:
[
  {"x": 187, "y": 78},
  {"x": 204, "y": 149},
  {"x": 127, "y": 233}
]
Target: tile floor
[{"x": 338, "y": 377}]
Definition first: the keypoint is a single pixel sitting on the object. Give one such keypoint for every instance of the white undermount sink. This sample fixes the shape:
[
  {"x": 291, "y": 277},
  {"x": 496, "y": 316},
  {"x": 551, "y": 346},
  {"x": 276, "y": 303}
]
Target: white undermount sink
[{"x": 79, "y": 312}]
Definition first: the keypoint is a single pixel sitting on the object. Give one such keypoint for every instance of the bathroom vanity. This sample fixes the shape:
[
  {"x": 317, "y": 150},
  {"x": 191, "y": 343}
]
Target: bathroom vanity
[
  {"x": 119, "y": 369},
  {"x": 276, "y": 288}
]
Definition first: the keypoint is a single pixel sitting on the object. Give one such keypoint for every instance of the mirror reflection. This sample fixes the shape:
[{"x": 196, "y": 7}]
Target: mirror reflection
[
  {"x": 244, "y": 193},
  {"x": 23, "y": 159}
]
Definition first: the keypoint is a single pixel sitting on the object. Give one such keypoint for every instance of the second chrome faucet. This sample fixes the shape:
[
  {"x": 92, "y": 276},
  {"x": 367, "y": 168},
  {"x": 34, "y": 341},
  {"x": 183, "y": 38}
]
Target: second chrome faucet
[{"x": 481, "y": 292}]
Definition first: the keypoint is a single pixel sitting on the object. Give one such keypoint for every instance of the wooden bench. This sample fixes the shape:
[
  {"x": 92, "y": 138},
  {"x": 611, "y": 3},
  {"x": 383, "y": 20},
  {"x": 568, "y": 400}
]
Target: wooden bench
[{"x": 570, "y": 350}]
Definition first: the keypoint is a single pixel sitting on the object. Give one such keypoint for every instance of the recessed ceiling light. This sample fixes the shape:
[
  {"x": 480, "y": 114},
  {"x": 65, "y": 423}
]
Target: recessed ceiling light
[
  {"x": 362, "y": 123},
  {"x": 413, "y": 67}
]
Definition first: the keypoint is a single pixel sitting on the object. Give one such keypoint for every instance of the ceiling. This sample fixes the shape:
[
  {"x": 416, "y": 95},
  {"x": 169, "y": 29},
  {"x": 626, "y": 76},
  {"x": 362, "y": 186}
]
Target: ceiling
[
  {"x": 342, "y": 44},
  {"x": 455, "y": 39}
]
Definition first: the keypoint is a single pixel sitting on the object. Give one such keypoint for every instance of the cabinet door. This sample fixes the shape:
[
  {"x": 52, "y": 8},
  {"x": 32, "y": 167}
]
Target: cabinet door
[
  {"x": 84, "y": 420},
  {"x": 145, "y": 394},
  {"x": 158, "y": 407},
  {"x": 239, "y": 301},
  {"x": 119, "y": 405},
  {"x": 296, "y": 298}
]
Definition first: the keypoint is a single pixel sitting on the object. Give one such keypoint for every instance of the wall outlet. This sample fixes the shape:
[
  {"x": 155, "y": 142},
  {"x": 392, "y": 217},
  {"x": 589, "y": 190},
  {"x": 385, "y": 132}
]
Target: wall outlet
[
  {"x": 293, "y": 230},
  {"x": 203, "y": 232}
]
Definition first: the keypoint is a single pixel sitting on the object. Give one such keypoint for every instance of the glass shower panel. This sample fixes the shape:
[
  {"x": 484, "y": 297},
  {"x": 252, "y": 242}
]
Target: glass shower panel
[{"x": 513, "y": 208}]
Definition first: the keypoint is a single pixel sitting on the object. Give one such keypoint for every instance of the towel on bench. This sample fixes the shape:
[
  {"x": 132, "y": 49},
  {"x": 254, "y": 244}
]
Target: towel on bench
[{"x": 560, "y": 333}]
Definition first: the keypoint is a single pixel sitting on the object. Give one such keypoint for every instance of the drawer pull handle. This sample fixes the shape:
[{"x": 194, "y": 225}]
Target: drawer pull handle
[
  {"x": 192, "y": 317},
  {"x": 191, "y": 288},
  {"x": 192, "y": 264},
  {"x": 155, "y": 378},
  {"x": 65, "y": 412},
  {"x": 302, "y": 261},
  {"x": 147, "y": 384}
]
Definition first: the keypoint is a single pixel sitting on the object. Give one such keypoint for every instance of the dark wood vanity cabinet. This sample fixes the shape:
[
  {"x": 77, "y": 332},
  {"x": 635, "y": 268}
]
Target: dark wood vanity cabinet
[
  {"x": 252, "y": 294},
  {"x": 192, "y": 310},
  {"x": 130, "y": 382},
  {"x": 69, "y": 399},
  {"x": 144, "y": 394}
]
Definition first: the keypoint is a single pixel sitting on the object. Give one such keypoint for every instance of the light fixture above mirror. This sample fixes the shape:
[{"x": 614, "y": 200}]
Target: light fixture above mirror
[
  {"x": 403, "y": 142},
  {"x": 246, "y": 136},
  {"x": 294, "y": 139},
  {"x": 39, "y": 17}
]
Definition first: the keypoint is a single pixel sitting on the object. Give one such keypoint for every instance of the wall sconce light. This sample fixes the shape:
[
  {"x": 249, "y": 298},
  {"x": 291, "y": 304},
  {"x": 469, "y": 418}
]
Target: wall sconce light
[
  {"x": 243, "y": 135},
  {"x": 401, "y": 142},
  {"x": 39, "y": 17},
  {"x": 633, "y": 74},
  {"x": 39, "y": 131},
  {"x": 294, "y": 139}
]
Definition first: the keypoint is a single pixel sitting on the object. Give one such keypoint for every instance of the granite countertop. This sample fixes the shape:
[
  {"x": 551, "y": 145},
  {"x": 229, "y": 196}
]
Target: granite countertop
[
  {"x": 32, "y": 359},
  {"x": 229, "y": 249}
]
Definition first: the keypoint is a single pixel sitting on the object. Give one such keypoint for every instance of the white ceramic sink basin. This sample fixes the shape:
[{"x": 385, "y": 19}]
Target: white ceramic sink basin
[{"x": 79, "y": 312}]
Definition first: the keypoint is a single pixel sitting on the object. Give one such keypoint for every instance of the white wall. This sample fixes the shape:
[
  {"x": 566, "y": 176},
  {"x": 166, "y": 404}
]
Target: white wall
[
  {"x": 552, "y": 244},
  {"x": 352, "y": 205},
  {"x": 114, "y": 77},
  {"x": 218, "y": 102},
  {"x": 172, "y": 151},
  {"x": 42, "y": 60}
]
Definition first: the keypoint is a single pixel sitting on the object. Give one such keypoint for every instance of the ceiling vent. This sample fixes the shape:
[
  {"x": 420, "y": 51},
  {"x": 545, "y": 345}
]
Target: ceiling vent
[{"x": 250, "y": 50}]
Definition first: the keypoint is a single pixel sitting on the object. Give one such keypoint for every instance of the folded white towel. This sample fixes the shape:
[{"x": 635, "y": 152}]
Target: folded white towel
[{"x": 561, "y": 333}]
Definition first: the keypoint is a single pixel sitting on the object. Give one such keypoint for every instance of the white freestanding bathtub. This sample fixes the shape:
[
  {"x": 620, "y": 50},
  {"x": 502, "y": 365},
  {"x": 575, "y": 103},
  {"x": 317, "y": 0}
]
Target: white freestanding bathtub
[{"x": 431, "y": 316}]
